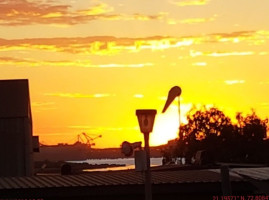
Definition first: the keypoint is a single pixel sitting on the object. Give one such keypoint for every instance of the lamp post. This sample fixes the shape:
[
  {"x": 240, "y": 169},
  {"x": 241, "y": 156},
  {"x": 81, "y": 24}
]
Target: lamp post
[
  {"x": 172, "y": 94},
  {"x": 146, "y": 120}
]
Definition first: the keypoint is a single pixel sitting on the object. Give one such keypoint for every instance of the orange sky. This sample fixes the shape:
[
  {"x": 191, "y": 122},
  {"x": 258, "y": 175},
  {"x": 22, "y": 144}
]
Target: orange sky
[{"x": 91, "y": 64}]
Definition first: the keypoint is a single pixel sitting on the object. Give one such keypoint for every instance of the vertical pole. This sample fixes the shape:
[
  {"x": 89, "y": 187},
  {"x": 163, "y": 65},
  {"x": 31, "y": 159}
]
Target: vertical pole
[
  {"x": 225, "y": 181},
  {"x": 148, "y": 193},
  {"x": 179, "y": 119}
]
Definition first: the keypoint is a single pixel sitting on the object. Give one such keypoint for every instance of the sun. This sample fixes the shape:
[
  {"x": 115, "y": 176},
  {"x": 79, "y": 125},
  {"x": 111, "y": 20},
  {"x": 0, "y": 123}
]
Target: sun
[
  {"x": 166, "y": 124},
  {"x": 165, "y": 127}
]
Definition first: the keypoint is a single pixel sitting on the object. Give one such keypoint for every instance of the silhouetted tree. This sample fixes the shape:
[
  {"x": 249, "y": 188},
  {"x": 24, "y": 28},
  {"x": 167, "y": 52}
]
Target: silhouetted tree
[
  {"x": 253, "y": 131},
  {"x": 211, "y": 130},
  {"x": 205, "y": 123},
  {"x": 252, "y": 127},
  {"x": 205, "y": 130}
]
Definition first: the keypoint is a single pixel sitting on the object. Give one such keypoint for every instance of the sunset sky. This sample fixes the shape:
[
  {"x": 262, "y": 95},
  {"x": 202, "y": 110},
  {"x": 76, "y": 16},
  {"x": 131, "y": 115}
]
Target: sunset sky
[{"x": 91, "y": 64}]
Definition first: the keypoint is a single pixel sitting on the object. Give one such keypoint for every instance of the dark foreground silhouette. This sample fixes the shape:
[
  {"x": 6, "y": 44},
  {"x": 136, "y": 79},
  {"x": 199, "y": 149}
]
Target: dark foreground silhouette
[{"x": 211, "y": 131}]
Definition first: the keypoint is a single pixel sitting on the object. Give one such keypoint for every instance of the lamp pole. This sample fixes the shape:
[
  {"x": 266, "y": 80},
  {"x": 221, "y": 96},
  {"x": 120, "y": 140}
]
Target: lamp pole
[
  {"x": 148, "y": 192},
  {"x": 146, "y": 121}
]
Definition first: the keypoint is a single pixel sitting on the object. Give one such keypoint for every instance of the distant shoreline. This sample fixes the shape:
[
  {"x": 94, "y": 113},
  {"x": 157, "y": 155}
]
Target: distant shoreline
[{"x": 78, "y": 153}]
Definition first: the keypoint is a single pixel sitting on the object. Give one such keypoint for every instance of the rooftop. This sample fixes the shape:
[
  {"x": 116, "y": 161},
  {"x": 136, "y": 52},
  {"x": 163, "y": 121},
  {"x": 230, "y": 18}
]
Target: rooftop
[{"x": 121, "y": 184}]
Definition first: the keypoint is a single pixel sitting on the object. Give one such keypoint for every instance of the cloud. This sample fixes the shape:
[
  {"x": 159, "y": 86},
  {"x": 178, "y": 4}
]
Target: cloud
[
  {"x": 252, "y": 37},
  {"x": 163, "y": 98},
  {"x": 98, "y": 9},
  {"x": 191, "y": 20},
  {"x": 102, "y": 129},
  {"x": 232, "y": 82},
  {"x": 202, "y": 64},
  {"x": 220, "y": 54},
  {"x": 67, "y": 63},
  {"x": 78, "y": 95},
  {"x": 23, "y": 12},
  {"x": 191, "y": 2},
  {"x": 197, "y": 20},
  {"x": 102, "y": 45},
  {"x": 264, "y": 105},
  {"x": 126, "y": 65},
  {"x": 41, "y": 106},
  {"x": 139, "y": 96},
  {"x": 264, "y": 53},
  {"x": 108, "y": 45},
  {"x": 264, "y": 83},
  {"x": 135, "y": 16}
]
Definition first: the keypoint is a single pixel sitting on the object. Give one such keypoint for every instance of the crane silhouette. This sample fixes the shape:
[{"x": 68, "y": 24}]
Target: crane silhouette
[{"x": 90, "y": 139}]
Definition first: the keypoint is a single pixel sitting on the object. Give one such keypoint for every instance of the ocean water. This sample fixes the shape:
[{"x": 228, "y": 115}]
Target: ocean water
[{"x": 128, "y": 162}]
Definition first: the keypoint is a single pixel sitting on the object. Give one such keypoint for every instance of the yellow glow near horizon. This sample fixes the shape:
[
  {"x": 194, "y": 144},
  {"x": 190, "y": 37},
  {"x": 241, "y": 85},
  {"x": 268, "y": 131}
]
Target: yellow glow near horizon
[
  {"x": 167, "y": 124},
  {"x": 91, "y": 64}
]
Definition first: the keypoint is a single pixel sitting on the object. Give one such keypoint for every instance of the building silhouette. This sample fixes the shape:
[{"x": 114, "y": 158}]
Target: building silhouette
[{"x": 16, "y": 148}]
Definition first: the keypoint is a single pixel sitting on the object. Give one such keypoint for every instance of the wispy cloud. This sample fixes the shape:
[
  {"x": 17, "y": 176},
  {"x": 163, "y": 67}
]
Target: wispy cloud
[
  {"x": 100, "y": 8},
  {"x": 126, "y": 65},
  {"x": 264, "y": 104},
  {"x": 264, "y": 53},
  {"x": 202, "y": 64},
  {"x": 191, "y": 20},
  {"x": 220, "y": 54},
  {"x": 107, "y": 45},
  {"x": 94, "y": 45},
  {"x": 79, "y": 95},
  {"x": 139, "y": 96},
  {"x": 101, "y": 129},
  {"x": 190, "y": 2},
  {"x": 197, "y": 20},
  {"x": 139, "y": 17},
  {"x": 264, "y": 82},
  {"x": 67, "y": 63},
  {"x": 42, "y": 106},
  {"x": 163, "y": 98},
  {"x": 232, "y": 82},
  {"x": 22, "y": 12}
]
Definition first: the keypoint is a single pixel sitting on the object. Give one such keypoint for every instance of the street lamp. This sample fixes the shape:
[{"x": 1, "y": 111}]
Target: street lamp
[
  {"x": 146, "y": 120},
  {"x": 172, "y": 94}
]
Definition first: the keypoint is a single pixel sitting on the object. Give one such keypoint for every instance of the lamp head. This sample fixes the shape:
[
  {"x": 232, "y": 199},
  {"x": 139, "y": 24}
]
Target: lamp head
[
  {"x": 146, "y": 119},
  {"x": 172, "y": 94}
]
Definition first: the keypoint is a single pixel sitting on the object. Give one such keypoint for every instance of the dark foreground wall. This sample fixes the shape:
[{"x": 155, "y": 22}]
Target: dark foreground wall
[{"x": 16, "y": 151}]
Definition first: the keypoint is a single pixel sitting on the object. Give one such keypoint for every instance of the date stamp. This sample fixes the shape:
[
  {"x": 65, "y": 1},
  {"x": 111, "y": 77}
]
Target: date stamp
[
  {"x": 21, "y": 199},
  {"x": 236, "y": 197}
]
